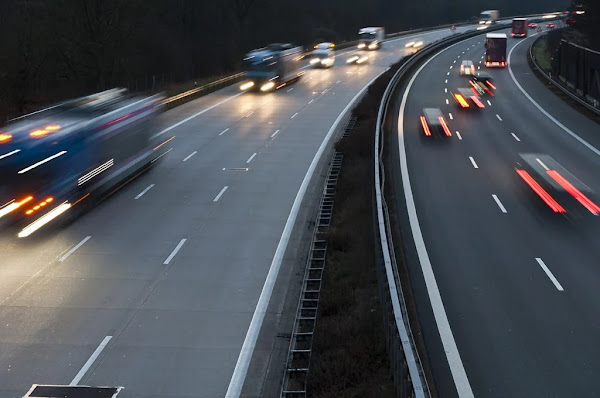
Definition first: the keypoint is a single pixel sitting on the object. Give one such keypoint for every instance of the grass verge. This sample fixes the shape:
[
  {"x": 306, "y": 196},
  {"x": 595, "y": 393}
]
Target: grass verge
[{"x": 349, "y": 356}]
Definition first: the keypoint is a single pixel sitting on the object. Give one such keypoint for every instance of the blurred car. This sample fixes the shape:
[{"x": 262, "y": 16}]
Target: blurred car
[
  {"x": 560, "y": 190},
  {"x": 323, "y": 56},
  {"x": 433, "y": 122},
  {"x": 357, "y": 59},
  {"x": 467, "y": 98},
  {"x": 532, "y": 25},
  {"x": 483, "y": 83},
  {"x": 467, "y": 68},
  {"x": 550, "y": 25}
]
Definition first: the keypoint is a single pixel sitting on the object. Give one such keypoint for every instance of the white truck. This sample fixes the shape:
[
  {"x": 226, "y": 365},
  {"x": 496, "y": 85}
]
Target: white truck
[
  {"x": 489, "y": 17},
  {"x": 370, "y": 38}
]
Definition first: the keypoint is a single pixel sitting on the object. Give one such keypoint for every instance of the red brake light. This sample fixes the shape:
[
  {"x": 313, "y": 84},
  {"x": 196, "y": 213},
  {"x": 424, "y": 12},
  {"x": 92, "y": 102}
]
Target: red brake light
[
  {"x": 541, "y": 192},
  {"x": 445, "y": 126},
  {"x": 489, "y": 83},
  {"x": 425, "y": 126},
  {"x": 477, "y": 102},
  {"x": 576, "y": 193}
]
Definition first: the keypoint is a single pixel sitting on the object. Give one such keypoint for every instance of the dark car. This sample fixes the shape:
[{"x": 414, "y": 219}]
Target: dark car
[{"x": 433, "y": 122}]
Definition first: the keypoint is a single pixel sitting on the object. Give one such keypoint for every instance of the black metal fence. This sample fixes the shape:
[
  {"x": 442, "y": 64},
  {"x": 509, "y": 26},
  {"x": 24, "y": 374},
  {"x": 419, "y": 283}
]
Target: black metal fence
[{"x": 578, "y": 69}]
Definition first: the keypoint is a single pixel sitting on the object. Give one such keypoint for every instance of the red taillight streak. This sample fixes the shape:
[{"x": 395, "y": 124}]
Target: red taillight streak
[
  {"x": 477, "y": 102},
  {"x": 576, "y": 193},
  {"x": 116, "y": 120},
  {"x": 425, "y": 126},
  {"x": 445, "y": 126},
  {"x": 541, "y": 192},
  {"x": 490, "y": 84}
]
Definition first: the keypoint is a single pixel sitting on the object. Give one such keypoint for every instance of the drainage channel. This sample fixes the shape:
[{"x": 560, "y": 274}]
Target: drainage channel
[
  {"x": 296, "y": 372},
  {"x": 349, "y": 126}
]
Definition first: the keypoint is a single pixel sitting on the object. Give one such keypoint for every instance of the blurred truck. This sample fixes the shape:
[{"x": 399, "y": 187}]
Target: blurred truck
[
  {"x": 272, "y": 67},
  {"x": 495, "y": 50},
  {"x": 519, "y": 27},
  {"x": 370, "y": 38},
  {"x": 489, "y": 17},
  {"x": 78, "y": 150}
]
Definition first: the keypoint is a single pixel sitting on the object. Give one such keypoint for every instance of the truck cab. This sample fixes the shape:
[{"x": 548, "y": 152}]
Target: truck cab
[{"x": 370, "y": 38}]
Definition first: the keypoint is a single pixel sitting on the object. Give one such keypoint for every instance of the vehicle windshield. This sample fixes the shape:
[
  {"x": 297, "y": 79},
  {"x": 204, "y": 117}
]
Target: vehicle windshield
[{"x": 367, "y": 35}]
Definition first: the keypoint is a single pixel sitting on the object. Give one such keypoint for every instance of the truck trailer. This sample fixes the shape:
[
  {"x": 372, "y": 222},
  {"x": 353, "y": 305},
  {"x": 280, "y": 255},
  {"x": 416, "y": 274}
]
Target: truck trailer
[{"x": 495, "y": 50}]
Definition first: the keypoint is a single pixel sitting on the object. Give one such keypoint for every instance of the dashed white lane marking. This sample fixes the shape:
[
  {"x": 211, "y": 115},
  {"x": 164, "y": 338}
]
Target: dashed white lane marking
[
  {"x": 249, "y": 114},
  {"x": 489, "y": 103},
  {"x": 220, "y": 193},
  {"x": 473, "y": 162},
  {"x": 500, "y": 205},
  {"x": 448, "y": 74},
  {"x": 311, "y": 101},
  {"x": 450, "y": 115},
  {"x": 447, "y": 102},
  {"x": 149, "y": 187},
  {"x": 224, "y": 131},
  {"x": 175, "y": 251},
  {"x": 479, "y": 67},
  {"x": 498, "y": 116},
  {"x": 446, "y": 81},
  {"x": 294, "y": 115},
  {"x": 189, "y": 156},
  {"x": 293, "y": 88},
  {"x": 445, "y": 90},
  {"x": 450, "y": 66},
  {"x": 275, "y": 133},
  {"x": 251, "y": 157},
  {"x": 515, "y": 137},
  {"x": 454, "y": 62},
  {"x": 458, "y": 135},
  {"x": 90, "y": 361},
  {"x": 77, "y": 246},
  {"x": 549, "y": 274}
]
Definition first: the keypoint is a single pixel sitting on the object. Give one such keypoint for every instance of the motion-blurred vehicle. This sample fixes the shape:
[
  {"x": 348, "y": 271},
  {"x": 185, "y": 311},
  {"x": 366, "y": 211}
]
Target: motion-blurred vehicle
[
  {"x": 489, "y": 17},
  {"x": 414, "y": 44},
  {"x": 495, "y": 50},
  {"x": 560, "y": 190},
  {"x": 467, "y": 68},
  {"x": 519, "y": 27},
  {"x": 370, "y": 38},
  {"x": 550, "y": 25},
  {"x": 467, "y": 98},
  {"x": 272, "y": 67},
  {"x": 532, "y": 25},
  {"x": 323, "y": 55},
  {"x": 433, "y": 122},
  {"x": 357, "y": 59},
  {"x": 483, "y": 84},
  {"x": 572, "y": 14},
  {"x": 78, "y": 150}
]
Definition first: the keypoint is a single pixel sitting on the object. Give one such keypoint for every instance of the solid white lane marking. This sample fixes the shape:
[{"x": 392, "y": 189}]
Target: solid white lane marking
[
  {"x": 149, "y": 187},
  {"x": 447, "y": 102},
  {"x": 220, "y": 193},
  {"x": 243, "y": 362},
  {"x": 90, "y": 361},
  {"x": 500, "y": 205},
  {"x": 275, "y": 133},
  {"x": 559, "y": 124},
  {"x": 251, "y": 157},
  {"x": 515, "y": 137},
  {"x": 450, "y": 115},
  {"x": 498, "y": 116},
  {"x": 196, "y": 115},
  {"x": 189, "y": 156},
  {"x": 224, "y": 131},
  {"x": 174, "y": 252},
  {"x": 549, "y": 274},
  {"x": 311, "y": 101},
  {"x": 458, "y": 135},
  {"x": 542, "y": 164},
  {"x": 459, "y": 375},
  {"x": 77, "y": 246},
  {"x": 294, "y": 115},
  {"x": 473, "y": 162},
  {"x": 489, "y": 103}
]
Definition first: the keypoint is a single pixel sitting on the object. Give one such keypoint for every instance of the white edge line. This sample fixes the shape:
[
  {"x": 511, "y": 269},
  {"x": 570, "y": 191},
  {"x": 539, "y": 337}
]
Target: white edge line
[
  {"x": 77, "y": 246},
  {"x": 515, "y": 137},
  {"x": 224, "y": 131},
  {"x": 559, "y": 124},
  {"x": 473, "y": 162},
  {"x": 174, "y": 252},
  {"x": 251, "y": 157},
  {"x": 139, "y": 195},
  {"x": 196, "y": 114},
  {"x": 549, "y": 274},
  {"x": 216, "y": 199},
  {"x": 90, "y": 361},
  {"x": 241, "y": 367},
  {"x": 459, "y": 375},
  {"x": 189, "y": 156},
  {"x": 500, "y": 205}
]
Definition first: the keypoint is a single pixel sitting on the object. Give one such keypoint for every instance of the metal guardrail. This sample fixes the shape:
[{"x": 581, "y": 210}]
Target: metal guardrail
[
  {"x": 575, "y": 97},
  {"x": 197, "y": 91},
  {"x": 406, "y": 364}
]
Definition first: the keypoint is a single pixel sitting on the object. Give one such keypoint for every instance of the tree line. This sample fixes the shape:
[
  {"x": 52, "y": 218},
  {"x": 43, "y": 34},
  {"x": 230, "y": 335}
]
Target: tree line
[{"x": 56, "y": 49}]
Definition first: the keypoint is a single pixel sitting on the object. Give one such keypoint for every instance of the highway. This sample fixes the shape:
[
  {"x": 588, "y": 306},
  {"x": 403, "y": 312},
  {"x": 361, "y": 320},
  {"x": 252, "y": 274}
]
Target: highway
[
  {"x": 517, "y": 282},
  {"x": 164, "y": 287}
]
